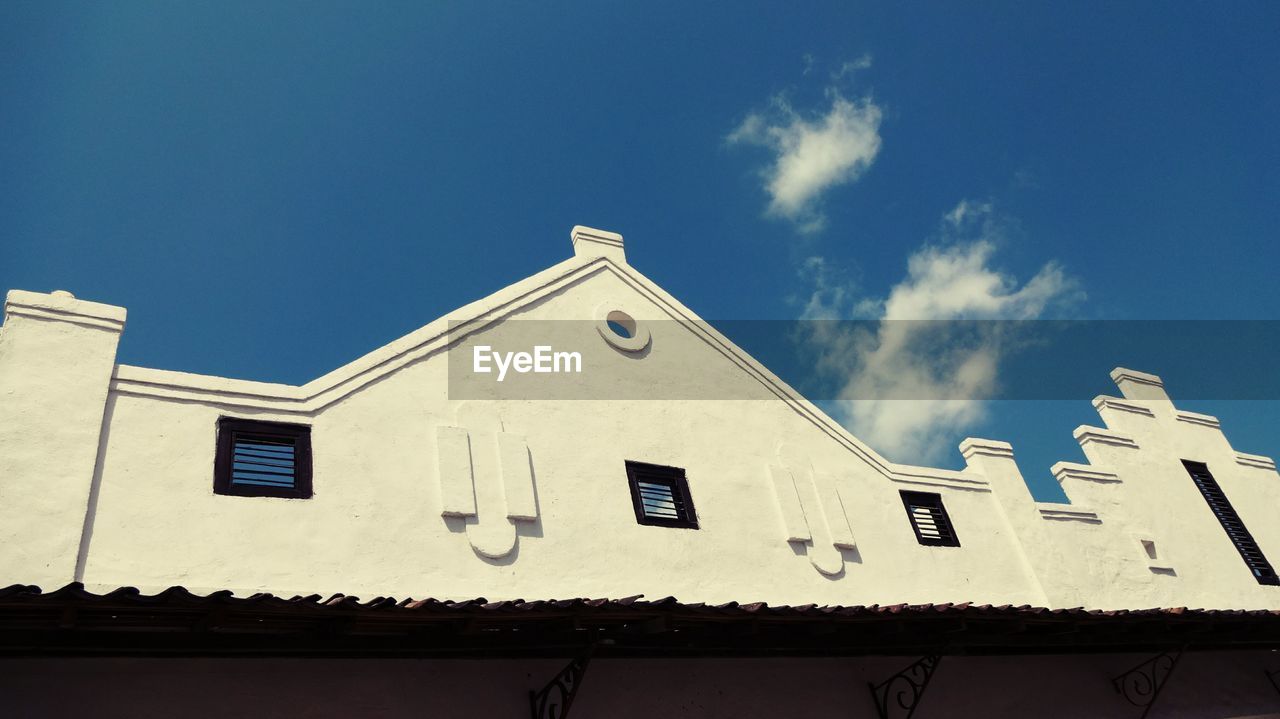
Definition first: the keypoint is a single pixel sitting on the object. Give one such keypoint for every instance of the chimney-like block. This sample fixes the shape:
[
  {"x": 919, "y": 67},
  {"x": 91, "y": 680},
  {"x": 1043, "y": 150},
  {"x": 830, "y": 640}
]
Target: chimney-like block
[{"x": 57, "y": 356}]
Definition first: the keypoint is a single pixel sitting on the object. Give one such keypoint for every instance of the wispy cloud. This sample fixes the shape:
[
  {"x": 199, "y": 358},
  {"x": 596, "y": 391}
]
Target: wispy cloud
[
  {"x": 812, "y": 151},
  {"x": 830, "y": 290},
  {"x": 942, "y": 366},
  {"x": 852, "y": 66}
]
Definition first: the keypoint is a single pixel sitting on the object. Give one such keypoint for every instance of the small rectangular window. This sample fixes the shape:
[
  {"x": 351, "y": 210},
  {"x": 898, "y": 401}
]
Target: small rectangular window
[
  {"x": 262, "y": 459},
  {"x": 929, "y": 519},
  {"x": 1231, "y": 523},
  {"x": 660, "y": 495}
]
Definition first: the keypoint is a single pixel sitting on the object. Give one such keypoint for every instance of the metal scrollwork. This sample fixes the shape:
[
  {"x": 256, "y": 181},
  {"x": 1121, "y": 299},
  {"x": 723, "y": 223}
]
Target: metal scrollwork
[
  {"x": 900, "y": 694},
  {"x": 1141, "y": 685},
  {"x": 555, "y": 699}
]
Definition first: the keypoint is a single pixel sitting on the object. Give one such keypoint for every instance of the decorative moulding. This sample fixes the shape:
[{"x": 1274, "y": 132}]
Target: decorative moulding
[
  {"x": 319, "y": 393},
  {"x": 1103, "y": 402},
  {"x": 1256, "y": 460},
  {"x": 950, "y": 479},
  {"x": 1086, "y": 435},
  {"x": 972, "y": 447},
  {"x": 1063, "y": 471},
  {"x": 1139, "y": 385},
  {"x": 795, "y": 527},
  {"x": 486, "y": 479},
  {"x": 62, "y": 306},
  {"x": 1067, "y": 513},
  {"x": 457, "y": 478},
  {"x": 1204, "y": 420},
  {"x": 811, "y": 506},
  {"x": 1122, "y": 374}
]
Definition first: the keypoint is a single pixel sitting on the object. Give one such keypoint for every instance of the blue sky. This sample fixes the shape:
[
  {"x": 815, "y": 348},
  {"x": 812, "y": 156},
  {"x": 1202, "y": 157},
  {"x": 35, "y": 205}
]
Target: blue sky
[{"x": 305, "y": 182}]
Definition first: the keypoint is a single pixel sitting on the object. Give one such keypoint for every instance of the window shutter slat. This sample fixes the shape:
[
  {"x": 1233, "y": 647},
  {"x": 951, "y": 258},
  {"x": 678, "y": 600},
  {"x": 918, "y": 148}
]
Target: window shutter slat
[
  {"x": 929, "y": 519},
  {"x": 1231, "y": 523},
  {"x": 262, "y": 462}
]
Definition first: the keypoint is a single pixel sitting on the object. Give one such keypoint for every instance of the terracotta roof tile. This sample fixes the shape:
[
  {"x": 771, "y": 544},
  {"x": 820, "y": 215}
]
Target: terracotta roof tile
[{"x": 632, "y": 620}]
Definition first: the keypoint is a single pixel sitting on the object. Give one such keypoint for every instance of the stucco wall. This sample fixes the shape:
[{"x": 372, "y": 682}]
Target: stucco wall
[
  {"x": 374, "y": 525},
  {"x": 57, "y": 355},
  {"x": 1208, "y": 686},
  {"x": 132, "y": 452}
]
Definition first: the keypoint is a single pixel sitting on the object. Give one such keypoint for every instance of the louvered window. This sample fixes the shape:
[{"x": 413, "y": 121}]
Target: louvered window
[
  {"x": 1230, "y": 521},
  {"x": 929, "y": 519},
  {"x": 660, "y": 495},
  {"x": 262, "y": 459}
]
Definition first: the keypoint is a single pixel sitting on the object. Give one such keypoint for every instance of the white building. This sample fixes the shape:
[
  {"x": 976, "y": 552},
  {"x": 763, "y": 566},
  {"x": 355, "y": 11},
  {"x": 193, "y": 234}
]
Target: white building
[{"x": 376, "y": 480}]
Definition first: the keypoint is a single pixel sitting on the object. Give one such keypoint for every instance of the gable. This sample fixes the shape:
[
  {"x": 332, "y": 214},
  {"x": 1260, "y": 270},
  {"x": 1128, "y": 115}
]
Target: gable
[{"x": 580, "y": 289}]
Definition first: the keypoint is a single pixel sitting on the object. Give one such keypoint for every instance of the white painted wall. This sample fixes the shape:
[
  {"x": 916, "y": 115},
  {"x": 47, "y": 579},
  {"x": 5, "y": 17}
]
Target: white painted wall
[
  {"x": 108, "y": 471},
  {"x": 57, "y": 355}
]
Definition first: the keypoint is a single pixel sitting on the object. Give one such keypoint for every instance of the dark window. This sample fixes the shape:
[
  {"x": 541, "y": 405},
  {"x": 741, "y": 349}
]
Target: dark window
[
  {"x": 1230, "y": 521},
  {"x": 262, "y": 459},
  {"x": 929, "y": 519},
  {"x": 661, "y": 495}
]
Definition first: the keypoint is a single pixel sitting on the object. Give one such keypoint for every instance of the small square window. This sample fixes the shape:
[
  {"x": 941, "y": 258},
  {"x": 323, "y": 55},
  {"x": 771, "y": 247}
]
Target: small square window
[
  {"x": 262, "y": 459},
  {"x": 660, "y": 495},
  {"x": 929, "y": 519}
]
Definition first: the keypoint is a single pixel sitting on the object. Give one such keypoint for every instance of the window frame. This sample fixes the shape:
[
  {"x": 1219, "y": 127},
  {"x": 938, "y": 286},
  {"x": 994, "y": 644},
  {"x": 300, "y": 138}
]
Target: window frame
[
  {"x": 929, "y": 499},
  {"x": 673, "y": 477},
  {"x": 231, "y": 427}
]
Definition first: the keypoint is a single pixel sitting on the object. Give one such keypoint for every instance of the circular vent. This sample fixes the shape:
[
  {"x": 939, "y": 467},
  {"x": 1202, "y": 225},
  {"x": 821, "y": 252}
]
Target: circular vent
[{"x": 621, "y": 330}]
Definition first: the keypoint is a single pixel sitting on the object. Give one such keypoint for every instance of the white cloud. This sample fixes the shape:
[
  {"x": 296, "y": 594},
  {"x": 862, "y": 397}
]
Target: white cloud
[
  {"x": 966, "y": 211},
  {"x": 957, "y": 283},
  {"x": 848, "y": 68},
  {"x": 830, "y": 292},
  {"x": 941, "y": 367},
  {"x": 811, "y": 156}
]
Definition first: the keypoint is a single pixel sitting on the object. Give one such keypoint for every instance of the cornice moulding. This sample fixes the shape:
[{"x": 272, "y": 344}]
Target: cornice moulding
[
  {"x": 1103, "y": 402},
  {"x": 973, "y": 447},
  {"x": 1067, "y": 513},
  {"x": 1204, "y": 420},
  {"x": 1071, "y": 470},
  {"x": 1086, "y": 435},
  {"x": 64, "y": 308},
  {"x": 1256, "y": 460},
  {"x": 1120, "y": 374},
  {"x": 944, "y": 478}
]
